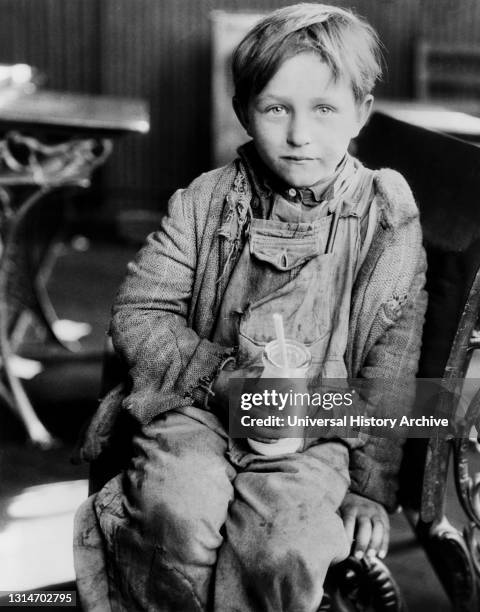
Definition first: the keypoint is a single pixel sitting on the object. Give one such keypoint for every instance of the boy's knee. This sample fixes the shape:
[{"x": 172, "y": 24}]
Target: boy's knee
[
  {"x": 296, "y": 556},
  {"x": 291, "y": 564},
  {"x": 188, "y": 531},
  {"x": 285, "y": 563}
]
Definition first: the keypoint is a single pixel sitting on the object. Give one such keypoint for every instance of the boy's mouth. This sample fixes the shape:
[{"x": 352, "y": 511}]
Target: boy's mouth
[{"x": 298, "y": 159}]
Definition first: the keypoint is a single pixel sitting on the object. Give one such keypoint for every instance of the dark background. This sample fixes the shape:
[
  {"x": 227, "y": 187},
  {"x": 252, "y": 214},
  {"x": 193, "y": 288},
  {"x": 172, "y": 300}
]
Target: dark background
[{"x": 160, "y": 50}]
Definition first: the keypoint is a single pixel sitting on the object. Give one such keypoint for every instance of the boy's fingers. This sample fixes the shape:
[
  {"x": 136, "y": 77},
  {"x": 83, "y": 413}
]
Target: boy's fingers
[
  {"x": 376, "y": 539},
  {"x": 364, "y": 533},
  {"x": 349, "y": 521},
  {"x": 385, "y": 541}
]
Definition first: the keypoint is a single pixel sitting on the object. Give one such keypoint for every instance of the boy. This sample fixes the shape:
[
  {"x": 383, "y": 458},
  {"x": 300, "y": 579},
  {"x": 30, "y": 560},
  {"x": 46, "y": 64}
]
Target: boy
[{"x": 199, "y": 521}]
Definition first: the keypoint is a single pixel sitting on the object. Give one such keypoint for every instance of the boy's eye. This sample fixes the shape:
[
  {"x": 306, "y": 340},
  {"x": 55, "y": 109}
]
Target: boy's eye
[
  {"x": 324, "y": 110},
  {"x": 277, "y": 109}
]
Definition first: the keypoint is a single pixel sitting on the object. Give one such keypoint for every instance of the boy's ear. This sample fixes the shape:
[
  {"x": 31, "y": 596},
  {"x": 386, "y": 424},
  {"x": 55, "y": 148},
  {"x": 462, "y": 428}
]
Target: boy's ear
[
  {"x": 364, "y": 110},
  {"x": 241, "y": 113}
]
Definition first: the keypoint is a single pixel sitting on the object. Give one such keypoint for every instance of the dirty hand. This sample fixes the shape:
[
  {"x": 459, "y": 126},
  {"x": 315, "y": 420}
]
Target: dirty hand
[
  {"x": 220, "y": 385},
  {"x": 286, "y": 387},
  {"x": 367, "y": 525}
]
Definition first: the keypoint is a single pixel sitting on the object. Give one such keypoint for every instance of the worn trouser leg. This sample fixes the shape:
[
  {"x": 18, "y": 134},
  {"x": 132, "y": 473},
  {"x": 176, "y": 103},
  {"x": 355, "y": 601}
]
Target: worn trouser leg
[
  {"x": 165, "y": 523},
  {"x": 283, "y": 531},
  {"x": 162, "y": 544}
]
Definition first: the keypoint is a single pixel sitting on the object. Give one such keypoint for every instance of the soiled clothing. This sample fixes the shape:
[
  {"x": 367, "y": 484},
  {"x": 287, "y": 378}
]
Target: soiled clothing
[
  {"x": 199, "y": 523},
  {"x": 173, "y": 291},
  {"x": 190, "y": 485},
  {"x": 302, "y": 264}
]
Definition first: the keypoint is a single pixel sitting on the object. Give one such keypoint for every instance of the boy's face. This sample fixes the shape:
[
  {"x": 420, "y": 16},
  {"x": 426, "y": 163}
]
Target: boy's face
[{"x": 302, "y": 121}]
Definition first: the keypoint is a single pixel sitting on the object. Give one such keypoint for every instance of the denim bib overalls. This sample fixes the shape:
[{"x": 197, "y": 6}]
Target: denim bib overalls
[{"x": 302, "y": 263}]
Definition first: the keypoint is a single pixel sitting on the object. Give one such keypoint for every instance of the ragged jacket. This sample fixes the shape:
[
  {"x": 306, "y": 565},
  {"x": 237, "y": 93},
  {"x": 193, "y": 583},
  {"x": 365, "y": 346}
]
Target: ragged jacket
[{"x": 165, "y": 312}]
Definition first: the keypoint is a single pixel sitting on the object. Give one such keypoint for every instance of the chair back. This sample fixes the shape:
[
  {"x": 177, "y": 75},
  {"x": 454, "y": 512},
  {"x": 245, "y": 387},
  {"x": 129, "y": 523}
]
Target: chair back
[{"x": 444, "y": 175}]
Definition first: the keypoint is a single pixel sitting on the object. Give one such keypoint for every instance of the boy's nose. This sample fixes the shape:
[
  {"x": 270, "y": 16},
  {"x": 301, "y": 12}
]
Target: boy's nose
[{"x": 299, "y": 133}]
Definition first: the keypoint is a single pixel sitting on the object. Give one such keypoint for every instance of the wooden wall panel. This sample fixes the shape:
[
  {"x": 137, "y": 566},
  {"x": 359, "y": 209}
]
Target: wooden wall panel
[
  {"x": 60, "y": 37},
  {"x": 450, "y": 21},
  {"x": 160, "y": 50}
]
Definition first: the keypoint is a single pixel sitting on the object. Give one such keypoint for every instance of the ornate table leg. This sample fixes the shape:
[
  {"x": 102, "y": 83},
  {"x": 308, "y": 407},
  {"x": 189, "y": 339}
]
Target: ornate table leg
[{"x": 39, "y": 169}]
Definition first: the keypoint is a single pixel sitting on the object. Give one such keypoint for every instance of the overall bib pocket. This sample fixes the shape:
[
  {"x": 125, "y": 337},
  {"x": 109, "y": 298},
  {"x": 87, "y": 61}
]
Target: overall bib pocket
[
  {"x": 306, "y": 311},
  {"x": 285, "y": 248}
]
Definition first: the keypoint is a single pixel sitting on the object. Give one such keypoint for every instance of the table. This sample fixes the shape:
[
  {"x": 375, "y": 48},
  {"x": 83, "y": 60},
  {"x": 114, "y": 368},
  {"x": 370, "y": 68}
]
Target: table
[
  {"x": 87, "y": 114},
  {"x": 432, "y": 117},
  {"x": 31, "y": 168}
]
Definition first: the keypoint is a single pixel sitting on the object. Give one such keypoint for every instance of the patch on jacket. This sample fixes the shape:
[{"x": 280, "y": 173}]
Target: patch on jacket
[{"x": 393, "y": 308}]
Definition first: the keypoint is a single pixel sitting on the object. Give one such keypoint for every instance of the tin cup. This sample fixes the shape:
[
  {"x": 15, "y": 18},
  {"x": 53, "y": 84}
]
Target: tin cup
[{"x": 298, "y": 362}]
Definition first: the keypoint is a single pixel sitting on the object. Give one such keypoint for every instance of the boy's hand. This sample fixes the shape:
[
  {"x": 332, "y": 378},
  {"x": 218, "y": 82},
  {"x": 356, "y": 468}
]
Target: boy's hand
[
  {"x": 282, "y": 385},
  {"x": 220, "y": 386},
  {"x": 368, "y": 521}
]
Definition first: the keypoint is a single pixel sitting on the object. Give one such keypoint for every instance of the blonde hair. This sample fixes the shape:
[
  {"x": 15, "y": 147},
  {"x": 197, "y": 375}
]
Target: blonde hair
[{"x": 345, "y": 41}]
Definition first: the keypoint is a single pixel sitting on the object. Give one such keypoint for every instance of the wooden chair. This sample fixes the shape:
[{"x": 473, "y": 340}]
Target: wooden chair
[{"x": 444, "y": 174}]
